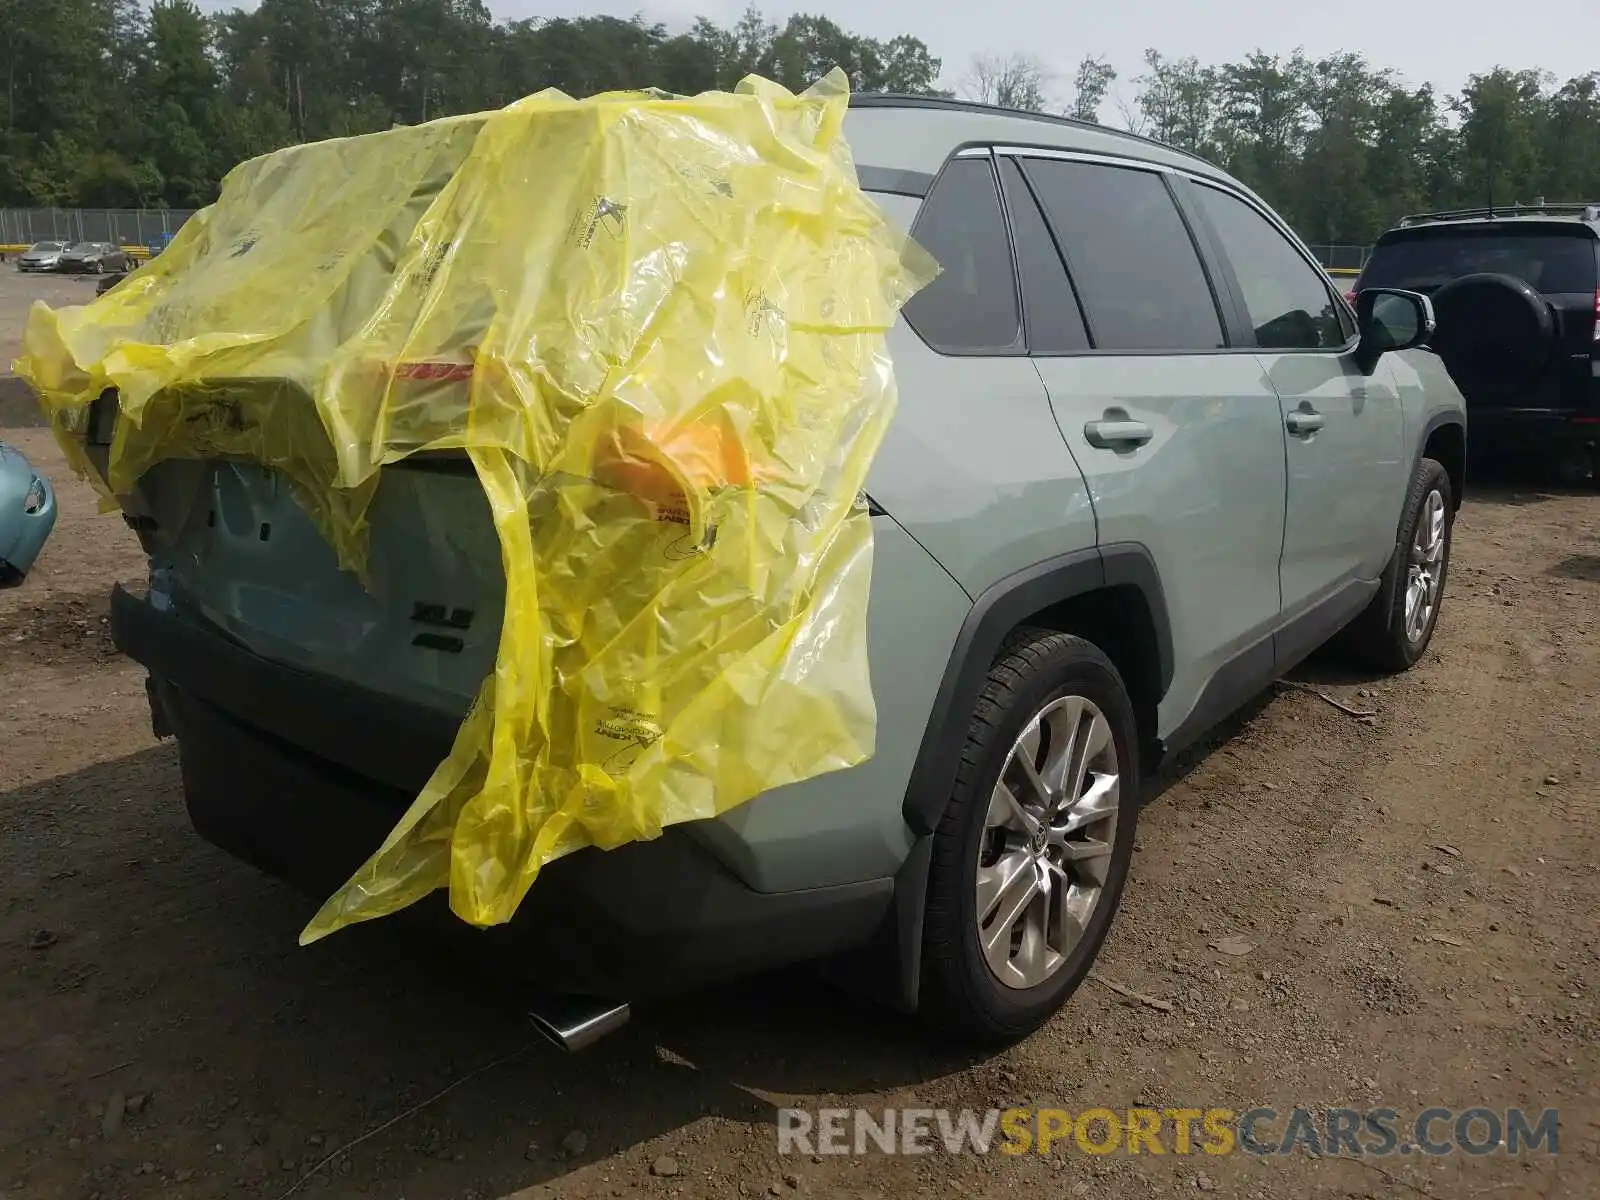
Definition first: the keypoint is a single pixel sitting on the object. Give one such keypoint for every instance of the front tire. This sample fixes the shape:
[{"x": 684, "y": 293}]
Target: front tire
[
  {"x": 1031, "y": 855},
  {"x": 1395, "y": 629}
]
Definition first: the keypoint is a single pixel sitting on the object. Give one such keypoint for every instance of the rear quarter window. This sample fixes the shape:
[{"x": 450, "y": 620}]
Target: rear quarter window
[{"x": 971, "y": 307}]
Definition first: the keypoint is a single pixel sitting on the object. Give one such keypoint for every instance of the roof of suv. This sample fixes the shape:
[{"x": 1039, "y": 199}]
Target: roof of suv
[
  {"x": 1586, "y": 214},
  {"x": 1553, "y": 247},
  {"x": 916, "y": 133}
]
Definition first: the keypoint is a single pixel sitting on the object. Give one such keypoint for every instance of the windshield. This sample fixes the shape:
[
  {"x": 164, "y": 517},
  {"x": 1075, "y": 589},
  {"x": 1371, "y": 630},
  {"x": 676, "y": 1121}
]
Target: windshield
[
  {"x": 82, "y": 247},
  {"x": 46, "y": 247},
  {"x": 1551, "y": 262}
]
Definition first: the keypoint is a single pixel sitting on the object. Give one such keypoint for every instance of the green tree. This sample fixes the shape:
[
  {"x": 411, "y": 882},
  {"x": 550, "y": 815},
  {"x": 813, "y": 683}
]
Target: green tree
[
  {"x": 1405, "y": 171},
  {"x": 1182, "y": 103},
  {"x": 179, "y": 88},
  {"x": 1328, "y": 192},
  {"x": 807, "y": 48},
  {"x": 909, "y": 69},
  {"x": 1569, "y": 153},
  {"x": 1094, "y": 79},
  {"x": 108, "y": 102},
  {"x": 60, "y": 90},
  {"x": 1264, "y": 118},
  {"x": 1501, "y": 115}
]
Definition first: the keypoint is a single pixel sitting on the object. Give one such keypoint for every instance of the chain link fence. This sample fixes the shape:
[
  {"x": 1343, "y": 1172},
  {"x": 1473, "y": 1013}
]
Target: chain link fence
[{"x": 124, "y": 226}]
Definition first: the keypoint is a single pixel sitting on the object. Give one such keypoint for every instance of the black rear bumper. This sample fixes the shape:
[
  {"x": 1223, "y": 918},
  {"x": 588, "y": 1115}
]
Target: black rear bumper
[
  {"x": 303, "y": 776},
  {"x": 1501, "y": 434}
]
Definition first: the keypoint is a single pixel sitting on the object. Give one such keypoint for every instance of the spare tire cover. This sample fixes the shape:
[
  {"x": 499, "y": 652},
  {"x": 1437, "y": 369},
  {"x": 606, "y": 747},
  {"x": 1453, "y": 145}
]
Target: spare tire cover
[{"x": 1495, "y": 333}]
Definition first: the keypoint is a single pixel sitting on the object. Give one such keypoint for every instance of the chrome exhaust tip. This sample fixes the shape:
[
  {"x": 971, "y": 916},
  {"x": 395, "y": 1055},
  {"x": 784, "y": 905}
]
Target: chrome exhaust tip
[{"x": 575, "y": 1023}]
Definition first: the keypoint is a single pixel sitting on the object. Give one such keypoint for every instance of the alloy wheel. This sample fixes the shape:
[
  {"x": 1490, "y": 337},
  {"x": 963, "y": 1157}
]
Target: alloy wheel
[
  {"x": 1425, "y": 569},
  {"x": 1045, "y": 854}
]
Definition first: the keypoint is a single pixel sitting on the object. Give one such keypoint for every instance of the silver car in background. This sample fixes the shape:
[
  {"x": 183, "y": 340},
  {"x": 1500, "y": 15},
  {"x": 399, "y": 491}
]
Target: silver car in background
[{"x": 41, "y": 256}]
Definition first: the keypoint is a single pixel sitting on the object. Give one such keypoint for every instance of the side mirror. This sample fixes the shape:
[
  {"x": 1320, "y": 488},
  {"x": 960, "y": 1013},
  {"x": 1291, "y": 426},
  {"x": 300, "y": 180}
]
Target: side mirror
[{"x": 1390, "y": 319}]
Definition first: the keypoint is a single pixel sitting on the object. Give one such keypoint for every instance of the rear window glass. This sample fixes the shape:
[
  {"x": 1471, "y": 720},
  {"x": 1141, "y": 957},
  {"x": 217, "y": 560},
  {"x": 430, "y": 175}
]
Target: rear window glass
[{"x": 1550, "y": 262}]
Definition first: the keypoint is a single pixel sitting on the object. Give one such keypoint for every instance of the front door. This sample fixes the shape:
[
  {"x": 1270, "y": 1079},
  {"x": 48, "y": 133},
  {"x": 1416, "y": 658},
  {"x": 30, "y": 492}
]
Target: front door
[{"x": 1343, "y": 429}]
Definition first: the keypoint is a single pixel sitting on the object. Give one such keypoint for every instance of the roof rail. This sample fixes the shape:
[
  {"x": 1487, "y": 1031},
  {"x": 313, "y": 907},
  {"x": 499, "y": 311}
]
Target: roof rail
[
  {"x": 952, "y": 104},
  {"x": 1587, "y": 210}
]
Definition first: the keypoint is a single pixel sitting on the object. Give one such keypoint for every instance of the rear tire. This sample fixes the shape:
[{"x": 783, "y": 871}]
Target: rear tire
[
  {"x": 1394, "y": 630},
  {"x": 1053, "y": 730}
]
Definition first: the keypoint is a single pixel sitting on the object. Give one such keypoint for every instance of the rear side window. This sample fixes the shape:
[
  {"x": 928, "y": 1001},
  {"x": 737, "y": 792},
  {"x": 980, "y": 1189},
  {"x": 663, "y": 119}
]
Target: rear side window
[
  {"x": 1054, "y": 321},
  {"x": 971, "y": 307},
  {"x": 1130, "y": 255},
  {"x": 1551, "y": 262},
  {"x": 1289, "y": 301}
]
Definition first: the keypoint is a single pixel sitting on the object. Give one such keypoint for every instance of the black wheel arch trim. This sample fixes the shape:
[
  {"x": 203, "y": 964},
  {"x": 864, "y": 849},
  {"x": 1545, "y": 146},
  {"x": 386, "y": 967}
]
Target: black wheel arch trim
[
  {"x": 1128, "y": 564},
  {"x": 1435, "y": 423},
  {"x": 998, "y": 610},
  {"x": 1390, "y": 579}
]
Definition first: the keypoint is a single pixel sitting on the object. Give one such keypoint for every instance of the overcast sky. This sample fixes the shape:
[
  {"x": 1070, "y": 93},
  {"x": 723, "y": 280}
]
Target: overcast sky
[{"x": 1426, "y": 42}]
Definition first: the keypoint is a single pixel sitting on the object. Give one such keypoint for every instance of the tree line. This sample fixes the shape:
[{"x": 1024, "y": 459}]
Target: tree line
[{"x": 106, "y": 103}]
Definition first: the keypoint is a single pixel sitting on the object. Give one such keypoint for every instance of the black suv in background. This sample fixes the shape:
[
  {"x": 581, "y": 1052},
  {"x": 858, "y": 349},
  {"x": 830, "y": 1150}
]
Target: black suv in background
[{"x": 1553, "y": 425}]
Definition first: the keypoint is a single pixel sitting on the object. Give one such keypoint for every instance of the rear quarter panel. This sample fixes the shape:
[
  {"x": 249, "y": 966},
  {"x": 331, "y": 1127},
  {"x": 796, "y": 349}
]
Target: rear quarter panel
[
  {"x": 849, "y": 826},
  {"x": 974, "y": 465}
]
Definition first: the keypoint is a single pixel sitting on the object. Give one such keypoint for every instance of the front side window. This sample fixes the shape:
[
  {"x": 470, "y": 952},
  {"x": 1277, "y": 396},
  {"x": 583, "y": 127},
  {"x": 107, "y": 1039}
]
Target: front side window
[
  {"x": 1289, "y": 302},
  {"x": 971, "y": 307},
  {"x": 1130, "y": 255}
]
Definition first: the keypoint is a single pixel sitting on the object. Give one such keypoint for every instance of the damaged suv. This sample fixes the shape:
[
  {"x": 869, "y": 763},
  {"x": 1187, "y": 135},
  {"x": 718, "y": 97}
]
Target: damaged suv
[{"x": 1145, "y": 460}]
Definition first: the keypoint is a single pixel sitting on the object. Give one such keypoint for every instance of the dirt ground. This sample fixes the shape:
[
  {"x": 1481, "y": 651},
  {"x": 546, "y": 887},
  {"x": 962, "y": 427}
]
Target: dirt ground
[{"x": 1415, "y": 895}]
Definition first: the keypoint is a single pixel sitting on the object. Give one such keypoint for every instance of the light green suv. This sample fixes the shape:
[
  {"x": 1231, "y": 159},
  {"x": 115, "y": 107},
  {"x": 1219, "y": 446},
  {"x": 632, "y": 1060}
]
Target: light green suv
[{"x": 1146, "y": 459}]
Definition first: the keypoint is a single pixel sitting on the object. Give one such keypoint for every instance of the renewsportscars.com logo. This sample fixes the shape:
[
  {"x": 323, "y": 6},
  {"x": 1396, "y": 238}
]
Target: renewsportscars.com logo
[{"x": 1325, "y": 1132}]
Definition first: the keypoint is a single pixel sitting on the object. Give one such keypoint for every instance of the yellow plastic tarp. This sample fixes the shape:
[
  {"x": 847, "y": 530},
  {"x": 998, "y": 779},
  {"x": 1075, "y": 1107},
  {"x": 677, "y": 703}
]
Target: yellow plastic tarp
[{"x": 657, "y": 327}]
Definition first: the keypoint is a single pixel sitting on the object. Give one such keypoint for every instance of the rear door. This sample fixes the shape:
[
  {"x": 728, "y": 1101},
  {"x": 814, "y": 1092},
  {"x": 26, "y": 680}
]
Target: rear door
[
  {"x": 1178, "y": 436},
  {"x": 1344, "y": 429}
]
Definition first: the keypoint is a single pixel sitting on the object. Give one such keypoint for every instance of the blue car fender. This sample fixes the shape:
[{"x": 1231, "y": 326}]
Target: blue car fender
[{"x": 27, "y": 515}]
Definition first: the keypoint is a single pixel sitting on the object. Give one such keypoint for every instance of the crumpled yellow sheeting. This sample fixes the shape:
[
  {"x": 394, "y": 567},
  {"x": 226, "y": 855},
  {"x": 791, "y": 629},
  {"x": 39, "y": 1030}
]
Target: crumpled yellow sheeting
[{"x": 656, "y": 326}]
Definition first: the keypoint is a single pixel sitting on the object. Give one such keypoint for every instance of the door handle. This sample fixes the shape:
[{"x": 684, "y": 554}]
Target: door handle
[
  {"x": 1117, "y": 435},
  {"x": 1304, "y": 421}
]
